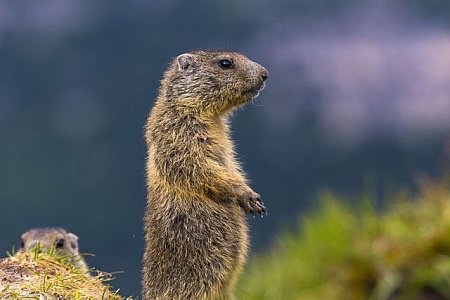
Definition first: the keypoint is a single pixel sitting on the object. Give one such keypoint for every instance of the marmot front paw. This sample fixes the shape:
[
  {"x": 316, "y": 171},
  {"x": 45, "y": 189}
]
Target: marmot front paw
[{"x": 253, "y": 205}]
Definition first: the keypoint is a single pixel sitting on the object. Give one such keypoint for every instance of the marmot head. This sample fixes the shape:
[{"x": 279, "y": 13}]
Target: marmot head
[
  {"x": 220, "y": 80},
  {"x": 65, "y": 243}
]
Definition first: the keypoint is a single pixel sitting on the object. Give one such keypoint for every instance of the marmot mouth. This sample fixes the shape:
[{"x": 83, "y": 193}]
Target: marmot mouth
[{"x": 254, "y": 91}]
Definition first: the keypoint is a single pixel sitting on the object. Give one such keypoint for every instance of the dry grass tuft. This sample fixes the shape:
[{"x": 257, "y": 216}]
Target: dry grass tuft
[{"x": 35, "y": 275}]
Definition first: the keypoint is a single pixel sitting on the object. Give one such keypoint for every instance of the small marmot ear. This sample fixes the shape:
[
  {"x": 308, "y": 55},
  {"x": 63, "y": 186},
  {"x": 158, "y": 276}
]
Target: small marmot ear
[
  {"x": 73, "y": 240},
  {"x": 186, "y": 63}
]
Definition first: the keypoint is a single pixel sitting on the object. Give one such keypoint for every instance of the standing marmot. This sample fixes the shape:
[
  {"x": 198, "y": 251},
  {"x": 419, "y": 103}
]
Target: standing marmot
[
  {"x": 195, "y": 228},
  {"x": 64, "y": 243}
]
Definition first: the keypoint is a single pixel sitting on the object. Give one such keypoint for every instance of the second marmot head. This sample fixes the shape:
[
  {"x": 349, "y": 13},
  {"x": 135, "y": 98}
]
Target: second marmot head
[{"x": 64, "y": 243}]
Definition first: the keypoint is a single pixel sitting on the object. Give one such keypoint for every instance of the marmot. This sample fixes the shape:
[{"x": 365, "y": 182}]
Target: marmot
[
  {"x": 64, "y": 243},
  {"x": 195, "y": 227}
]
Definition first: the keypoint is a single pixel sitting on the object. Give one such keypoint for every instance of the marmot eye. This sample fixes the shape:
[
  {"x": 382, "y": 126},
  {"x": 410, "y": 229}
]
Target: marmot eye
[
  {"x": 60, "y": 243},
  {"x": 225, "y": 64}
]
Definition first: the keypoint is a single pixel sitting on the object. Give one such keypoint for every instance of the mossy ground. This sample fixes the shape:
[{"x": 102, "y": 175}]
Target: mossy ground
[
  {"x": 35, "y": 275},
  {"x": 347, "y": 252}
]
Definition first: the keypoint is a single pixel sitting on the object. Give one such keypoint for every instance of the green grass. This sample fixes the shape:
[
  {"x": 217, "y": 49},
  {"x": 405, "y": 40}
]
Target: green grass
[{"x": 346, "y": 252}]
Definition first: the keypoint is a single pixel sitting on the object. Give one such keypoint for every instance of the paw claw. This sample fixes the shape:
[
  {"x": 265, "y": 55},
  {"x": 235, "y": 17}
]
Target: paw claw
[{"x": 255, "y": 206}]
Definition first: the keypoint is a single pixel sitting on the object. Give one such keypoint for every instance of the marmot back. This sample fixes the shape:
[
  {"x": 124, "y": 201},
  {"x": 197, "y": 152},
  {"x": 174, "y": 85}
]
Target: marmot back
[
  {"x": 64, "y": 243},
  {"x": 195, "y": 227}
]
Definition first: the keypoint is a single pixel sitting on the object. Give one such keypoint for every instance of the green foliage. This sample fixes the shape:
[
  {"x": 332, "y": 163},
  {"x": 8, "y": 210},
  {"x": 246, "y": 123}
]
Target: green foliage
[{"x": 343, "y": 252}]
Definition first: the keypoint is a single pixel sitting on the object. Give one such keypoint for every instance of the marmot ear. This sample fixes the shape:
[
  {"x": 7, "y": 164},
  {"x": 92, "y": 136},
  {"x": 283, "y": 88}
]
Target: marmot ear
[
  {"x": 73, "y": 240},
  {"x": 186, "y": 63}
]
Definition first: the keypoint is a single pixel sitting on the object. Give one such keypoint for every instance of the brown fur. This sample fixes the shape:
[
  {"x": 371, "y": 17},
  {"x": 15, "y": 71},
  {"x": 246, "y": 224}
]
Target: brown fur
[
  {"x": 64, "y": 243},
  {"x": 195, "y": 228}
]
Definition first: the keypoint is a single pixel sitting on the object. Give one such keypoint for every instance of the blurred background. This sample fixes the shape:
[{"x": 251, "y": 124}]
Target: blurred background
[{"x": 358, "y": 96}]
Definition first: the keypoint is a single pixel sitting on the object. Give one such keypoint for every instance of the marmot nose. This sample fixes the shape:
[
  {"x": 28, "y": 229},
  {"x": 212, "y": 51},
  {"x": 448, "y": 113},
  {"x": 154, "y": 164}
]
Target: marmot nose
[{"x": 264, "y": 74}]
